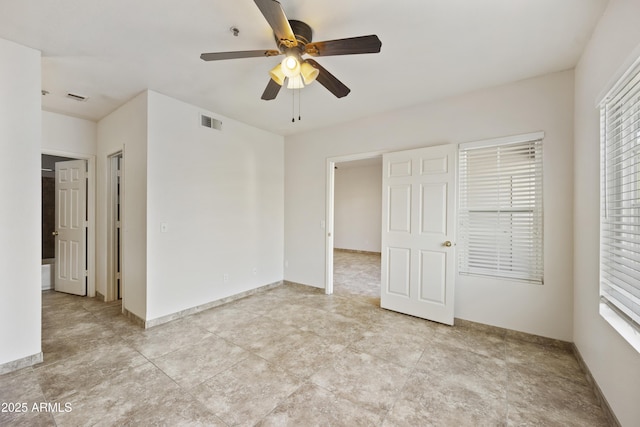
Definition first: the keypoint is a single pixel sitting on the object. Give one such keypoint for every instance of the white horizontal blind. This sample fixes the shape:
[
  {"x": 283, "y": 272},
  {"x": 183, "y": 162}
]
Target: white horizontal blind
[
  {"x": 620, "y": 193},
  {"x": 500, "y": 212}
]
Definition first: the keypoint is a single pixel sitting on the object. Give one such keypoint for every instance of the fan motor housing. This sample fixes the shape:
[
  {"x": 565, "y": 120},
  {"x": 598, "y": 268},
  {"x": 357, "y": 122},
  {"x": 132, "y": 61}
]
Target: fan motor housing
[{"x": 303, "y": 33}]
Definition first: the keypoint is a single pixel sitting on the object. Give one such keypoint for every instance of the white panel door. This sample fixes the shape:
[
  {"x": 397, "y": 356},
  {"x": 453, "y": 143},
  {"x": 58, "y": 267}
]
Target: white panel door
[
  {"x": 71, "y": 206},
  {"x": 418, "y": 228}
]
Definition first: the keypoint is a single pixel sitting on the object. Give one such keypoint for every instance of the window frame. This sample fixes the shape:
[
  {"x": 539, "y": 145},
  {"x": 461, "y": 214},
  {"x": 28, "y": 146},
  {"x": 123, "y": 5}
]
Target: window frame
[{"x": 620, "y": 185}]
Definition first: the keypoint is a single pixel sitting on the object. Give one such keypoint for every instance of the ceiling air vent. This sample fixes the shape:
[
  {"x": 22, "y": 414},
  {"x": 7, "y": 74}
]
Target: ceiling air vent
[
  {"x": 210, "y": 122},
  {"x": 77, "y": 97}
]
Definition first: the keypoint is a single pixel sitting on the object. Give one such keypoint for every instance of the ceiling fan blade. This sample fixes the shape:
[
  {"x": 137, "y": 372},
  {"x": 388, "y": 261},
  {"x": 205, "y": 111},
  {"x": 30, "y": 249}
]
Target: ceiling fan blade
[
  {"x": 273, "y": 13},
  {"x": 217, "y": 56},
  {"x": 349, "y": 46},
  {"x": 330, "y": 81},
  {"x": 271, "y": 91}
]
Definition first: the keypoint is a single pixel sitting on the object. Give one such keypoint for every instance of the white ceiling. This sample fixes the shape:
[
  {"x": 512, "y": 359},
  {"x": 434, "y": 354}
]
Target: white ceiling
[{"x": 111, "y": 50}]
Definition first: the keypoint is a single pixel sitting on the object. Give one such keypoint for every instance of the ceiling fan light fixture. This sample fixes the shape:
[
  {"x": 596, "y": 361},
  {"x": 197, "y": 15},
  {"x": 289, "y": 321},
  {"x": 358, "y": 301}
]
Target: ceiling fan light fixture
[
  {"x": 290, "y": 66},
  {"x": 308, "y": 72},
  {"x": 277, "y": 75},
  {"x": 295, "y": 82},
  {"x": 293, "y": 39}
]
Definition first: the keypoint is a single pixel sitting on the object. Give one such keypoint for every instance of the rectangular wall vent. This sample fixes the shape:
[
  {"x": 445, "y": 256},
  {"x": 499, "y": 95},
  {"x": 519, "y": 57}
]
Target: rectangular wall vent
[
  {"x": 210, "y": 122},
  {"x": 77, "y": 97}
]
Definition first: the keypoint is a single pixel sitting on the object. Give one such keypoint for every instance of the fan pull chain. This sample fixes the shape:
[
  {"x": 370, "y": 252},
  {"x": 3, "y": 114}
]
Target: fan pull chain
[{"x": 293, "y": 106}]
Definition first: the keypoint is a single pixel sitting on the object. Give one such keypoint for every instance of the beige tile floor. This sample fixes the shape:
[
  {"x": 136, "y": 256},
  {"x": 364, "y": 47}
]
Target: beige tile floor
[
  {"x": 356, "y": 273},
  {"x": 292, "y": 356}
]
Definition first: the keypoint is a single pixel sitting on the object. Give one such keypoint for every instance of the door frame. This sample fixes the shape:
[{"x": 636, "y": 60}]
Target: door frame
[
  {"x": 91, "y": 212},
  {"x": 111, "y": 289},
  {"x": 330, "y": 205}
]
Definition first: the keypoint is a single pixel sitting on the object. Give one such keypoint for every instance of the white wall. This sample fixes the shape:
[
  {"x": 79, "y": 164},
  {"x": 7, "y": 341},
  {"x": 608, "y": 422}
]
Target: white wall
[
  {"x": 68, "y": 135},
  {"x": 20, "y": 121},
  {"x": 357, "y": 208},
  {"x": 221, "y": 195},
  {"x": 540, "y": 104},
  {"x": 125, "y": 130},
  {"x": 614, "y": 364}
]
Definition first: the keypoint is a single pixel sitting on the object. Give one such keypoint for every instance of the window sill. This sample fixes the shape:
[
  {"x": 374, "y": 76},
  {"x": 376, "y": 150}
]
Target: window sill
[{"x": 621, "y": 325}]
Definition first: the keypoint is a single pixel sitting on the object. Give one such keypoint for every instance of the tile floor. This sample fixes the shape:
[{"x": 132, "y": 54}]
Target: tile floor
[
  {"x": 356, "y": 273},
  {"x": 292, "y": 356}
]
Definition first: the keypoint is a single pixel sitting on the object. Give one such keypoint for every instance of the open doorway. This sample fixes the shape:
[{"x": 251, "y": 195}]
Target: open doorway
[
  {"x": 354, "y": 206},
  {"x": 48, "y": 169},
  {"x": 86, "y": 256}
]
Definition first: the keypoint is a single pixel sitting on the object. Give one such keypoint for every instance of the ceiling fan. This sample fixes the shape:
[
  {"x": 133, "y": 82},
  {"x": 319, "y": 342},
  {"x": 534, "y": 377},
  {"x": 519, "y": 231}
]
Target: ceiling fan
[{"x": 293, "y": 39}]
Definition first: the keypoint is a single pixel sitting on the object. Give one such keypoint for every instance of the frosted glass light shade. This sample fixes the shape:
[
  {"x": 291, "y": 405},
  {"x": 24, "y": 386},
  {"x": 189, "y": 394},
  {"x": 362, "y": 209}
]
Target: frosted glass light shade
[
  {"x": 277, "y": 75},
  {"x": 290, "y": 66},
  {"x": 309, "y": 72},
  {"x": 295, "y": 82}
]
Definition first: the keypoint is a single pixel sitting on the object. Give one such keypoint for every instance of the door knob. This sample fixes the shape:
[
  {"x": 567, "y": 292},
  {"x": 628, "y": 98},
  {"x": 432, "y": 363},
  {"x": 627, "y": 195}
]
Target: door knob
[
  {"x": 55, "y": 233},
  {"x": 448, "y": 243}
]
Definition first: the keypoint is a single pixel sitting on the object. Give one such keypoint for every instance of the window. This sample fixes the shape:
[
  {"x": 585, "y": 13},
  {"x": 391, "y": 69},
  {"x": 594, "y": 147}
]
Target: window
[
  {"x": 500, "y": 211},
  {"x": 620, "y": 206}
]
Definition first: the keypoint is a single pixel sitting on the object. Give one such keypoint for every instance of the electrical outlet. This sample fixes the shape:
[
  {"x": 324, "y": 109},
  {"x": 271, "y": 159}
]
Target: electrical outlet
[
  {"x": 225, "y": 277},
  {"x": 254, "y": 271}
]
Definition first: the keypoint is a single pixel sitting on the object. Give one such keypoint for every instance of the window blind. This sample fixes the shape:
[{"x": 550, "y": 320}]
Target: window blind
[
  {"x": 620, "y": 199},
  {"x": 500, "y": 209}
]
